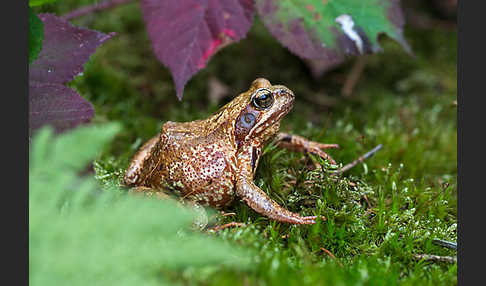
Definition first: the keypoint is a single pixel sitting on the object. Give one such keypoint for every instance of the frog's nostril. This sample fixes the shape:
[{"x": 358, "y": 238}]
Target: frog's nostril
[{"x": 288, "y": 93}]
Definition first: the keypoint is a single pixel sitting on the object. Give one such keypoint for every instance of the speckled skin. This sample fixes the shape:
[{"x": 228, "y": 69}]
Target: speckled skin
[{"x": 212, "y": 161}]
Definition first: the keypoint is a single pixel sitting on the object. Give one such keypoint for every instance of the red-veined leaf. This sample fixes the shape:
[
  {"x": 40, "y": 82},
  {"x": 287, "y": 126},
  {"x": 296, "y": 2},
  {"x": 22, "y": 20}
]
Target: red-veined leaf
[{"x": 186, "y": 33}]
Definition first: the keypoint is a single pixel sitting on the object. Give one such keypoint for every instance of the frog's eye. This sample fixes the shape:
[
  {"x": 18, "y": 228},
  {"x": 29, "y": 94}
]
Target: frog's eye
[{"x": 263, "y": 99}]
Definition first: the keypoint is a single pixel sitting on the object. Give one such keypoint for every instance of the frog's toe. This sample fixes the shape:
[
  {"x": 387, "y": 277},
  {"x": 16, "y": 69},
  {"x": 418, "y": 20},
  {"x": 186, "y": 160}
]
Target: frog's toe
[
  {"x": 325, "y": 146},
  {"x": 311, "y": 219},
  {"x": 299, "y": 143}
]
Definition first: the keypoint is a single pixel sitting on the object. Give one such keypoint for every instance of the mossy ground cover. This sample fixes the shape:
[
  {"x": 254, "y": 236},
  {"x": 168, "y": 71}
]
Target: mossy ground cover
[{"x": 379, "y": 214}]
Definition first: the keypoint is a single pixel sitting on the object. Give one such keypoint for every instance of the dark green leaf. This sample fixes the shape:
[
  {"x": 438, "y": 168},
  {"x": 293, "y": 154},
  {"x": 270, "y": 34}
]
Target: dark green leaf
[
  {"x": 40, "y": 2},
  {"x": 36, "y": 35}
]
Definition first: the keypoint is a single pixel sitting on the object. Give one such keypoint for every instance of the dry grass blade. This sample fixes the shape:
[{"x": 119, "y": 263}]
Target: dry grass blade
[
  {"x": 357, "y": 161},
  {"x": 332, "y": 256}
]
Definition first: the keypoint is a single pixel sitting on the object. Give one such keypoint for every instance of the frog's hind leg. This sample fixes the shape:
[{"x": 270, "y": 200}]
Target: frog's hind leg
[
  {"x": 298, "y": 143},
  {"x": 142, "y": 163}
]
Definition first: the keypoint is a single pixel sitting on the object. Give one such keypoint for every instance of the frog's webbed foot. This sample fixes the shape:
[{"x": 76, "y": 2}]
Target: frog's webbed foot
[
  {"x": 263, "y": 204},
  {"x": 298, "y": 143}
]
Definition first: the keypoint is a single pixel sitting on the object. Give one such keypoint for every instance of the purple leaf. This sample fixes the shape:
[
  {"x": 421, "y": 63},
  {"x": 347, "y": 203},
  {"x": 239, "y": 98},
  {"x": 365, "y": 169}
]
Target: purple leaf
[
  {"x": 57, "y": 105},
  {"x": 65, "y": 50},
  {"x": 186, "y": 33}
]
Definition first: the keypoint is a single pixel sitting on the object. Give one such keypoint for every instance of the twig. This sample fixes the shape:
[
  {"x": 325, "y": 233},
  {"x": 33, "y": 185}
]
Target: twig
[
  {"x": 227, "y": 214},
  {"x": 357, "y": 161},
  {"x": 332, "y": 256},
  {"x": 353, "y": 76},
  {"x": 445, "y": 243},
  {"x": 94, "y": 8},
  {"x": 431, "y": 257},
  {"x": 221, "y": 227},
  {"x": 223, "y": 214},
  {"x": 367, "y": 201}
]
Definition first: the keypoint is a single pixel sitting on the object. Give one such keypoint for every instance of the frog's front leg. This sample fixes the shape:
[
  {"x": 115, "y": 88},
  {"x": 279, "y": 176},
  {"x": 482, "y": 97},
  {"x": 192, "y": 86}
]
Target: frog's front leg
[
  {"x": 298, "y": 143},
  {"x": 263, "y": 204},
  {"x": 255, "y": 198}
]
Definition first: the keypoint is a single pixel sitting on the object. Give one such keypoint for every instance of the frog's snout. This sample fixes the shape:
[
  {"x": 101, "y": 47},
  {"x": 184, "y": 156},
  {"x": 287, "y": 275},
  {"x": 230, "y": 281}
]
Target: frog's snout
[
  {"x": 284, "y": 91},
  {"x": 288, "y": 91},
  {"x": 287, "y": 95},
  {"x": 292, "y": 95}
]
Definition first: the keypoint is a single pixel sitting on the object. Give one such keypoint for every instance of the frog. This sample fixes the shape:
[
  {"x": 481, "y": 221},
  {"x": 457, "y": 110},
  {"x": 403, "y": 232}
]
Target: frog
[{"x": 213, "y": 161}]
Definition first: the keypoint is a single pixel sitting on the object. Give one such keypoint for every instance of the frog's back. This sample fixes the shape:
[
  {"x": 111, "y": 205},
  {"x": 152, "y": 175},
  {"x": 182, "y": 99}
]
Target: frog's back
[
  {"x": 148, "y": 157},
  {"x": 196, "y": 163}
]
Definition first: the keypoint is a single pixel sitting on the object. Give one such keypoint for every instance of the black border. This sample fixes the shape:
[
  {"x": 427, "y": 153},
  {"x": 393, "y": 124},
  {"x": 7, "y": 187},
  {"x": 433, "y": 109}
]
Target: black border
[
  {"x": 15, "y": 142},
  {"x": 471, "y": 121}
]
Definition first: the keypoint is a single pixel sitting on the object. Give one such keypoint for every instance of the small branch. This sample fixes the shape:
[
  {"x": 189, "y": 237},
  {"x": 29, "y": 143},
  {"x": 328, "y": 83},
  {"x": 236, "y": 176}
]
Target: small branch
[
  {"x": 222, "y": 213},
  {"x": 94, "y": 8},
  {"x": 353, "y": 76},
  {"x": 221, "y": 227},
  {"x": 431, "y": 257},
  {"x": 357, "y": 161}
]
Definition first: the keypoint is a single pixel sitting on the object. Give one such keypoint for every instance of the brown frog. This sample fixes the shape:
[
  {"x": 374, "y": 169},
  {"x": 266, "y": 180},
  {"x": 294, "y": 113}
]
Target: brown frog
[{"x": 212, "y": 161}]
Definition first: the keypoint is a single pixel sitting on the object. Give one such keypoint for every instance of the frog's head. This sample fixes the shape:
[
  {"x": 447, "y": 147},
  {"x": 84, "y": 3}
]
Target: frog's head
[{"x": 260, "y": 110}]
